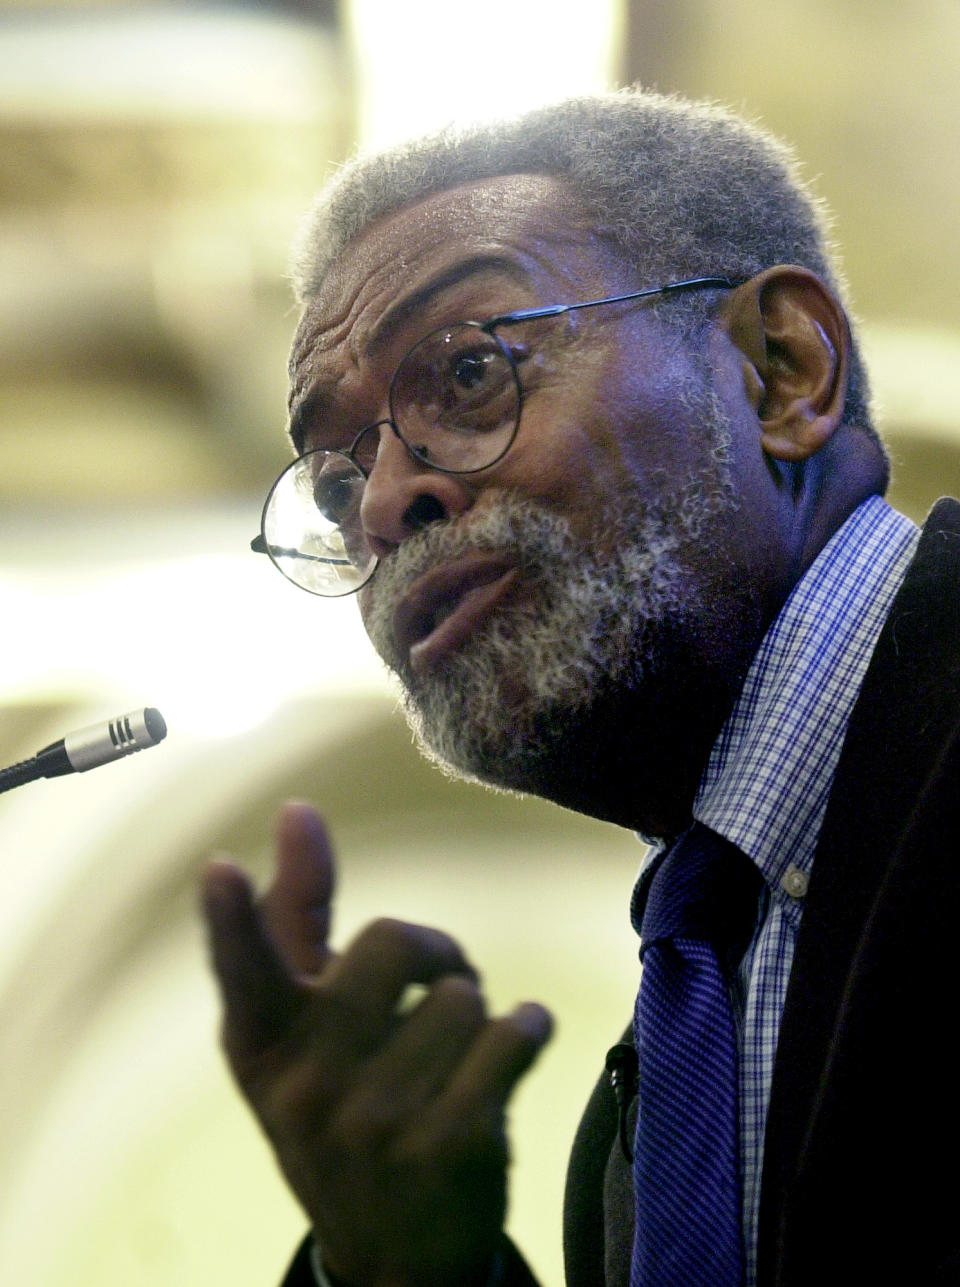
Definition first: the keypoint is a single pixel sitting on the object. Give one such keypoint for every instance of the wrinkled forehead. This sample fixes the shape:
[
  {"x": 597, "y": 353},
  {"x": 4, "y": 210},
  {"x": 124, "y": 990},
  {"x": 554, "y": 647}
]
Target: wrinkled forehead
[
  {"x": 506, "y": 208},
  {"x": 527, "y": 223}
]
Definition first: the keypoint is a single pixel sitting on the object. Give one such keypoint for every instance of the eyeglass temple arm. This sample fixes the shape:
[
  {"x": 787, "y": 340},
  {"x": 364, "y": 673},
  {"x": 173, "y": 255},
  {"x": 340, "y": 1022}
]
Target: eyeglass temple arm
[
  {"x": 259, "y": 546},
  {"x": 554, "y": 310}
]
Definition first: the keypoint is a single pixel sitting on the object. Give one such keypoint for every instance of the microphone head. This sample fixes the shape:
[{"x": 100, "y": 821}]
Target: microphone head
[
  {"x": 155, "y": 724},
  {"x": 90, "y": 747}
]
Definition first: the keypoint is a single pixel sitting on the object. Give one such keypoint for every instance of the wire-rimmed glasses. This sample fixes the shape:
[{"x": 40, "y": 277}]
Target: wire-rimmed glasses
[{"x": 455, "y": 402}]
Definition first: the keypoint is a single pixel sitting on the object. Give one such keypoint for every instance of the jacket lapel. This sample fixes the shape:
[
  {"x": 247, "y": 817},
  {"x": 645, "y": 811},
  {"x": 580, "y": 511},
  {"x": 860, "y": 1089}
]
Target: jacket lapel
[{"x": 906, "y": 719}]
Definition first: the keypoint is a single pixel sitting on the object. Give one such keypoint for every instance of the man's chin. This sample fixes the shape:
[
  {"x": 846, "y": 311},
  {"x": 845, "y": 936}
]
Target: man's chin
[{"x": 510, "y": 753}]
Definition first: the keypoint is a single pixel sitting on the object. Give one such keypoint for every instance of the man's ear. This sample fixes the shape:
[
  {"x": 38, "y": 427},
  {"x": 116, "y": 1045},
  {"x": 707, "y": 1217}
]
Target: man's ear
[{"x": 795, "y": 342}]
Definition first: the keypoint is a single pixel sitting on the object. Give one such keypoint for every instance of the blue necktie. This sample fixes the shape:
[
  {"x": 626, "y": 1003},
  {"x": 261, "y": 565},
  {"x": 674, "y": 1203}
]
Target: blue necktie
[{"x": 700, "y": 908}]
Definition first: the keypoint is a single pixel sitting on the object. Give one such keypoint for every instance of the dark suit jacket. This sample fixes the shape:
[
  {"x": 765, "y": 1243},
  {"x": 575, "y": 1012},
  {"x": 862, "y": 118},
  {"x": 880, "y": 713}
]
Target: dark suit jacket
[{"x": 863, "y": 1128}]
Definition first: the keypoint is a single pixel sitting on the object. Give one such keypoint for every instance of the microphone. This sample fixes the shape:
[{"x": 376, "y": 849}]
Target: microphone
[{"x": 88, "y": 748}]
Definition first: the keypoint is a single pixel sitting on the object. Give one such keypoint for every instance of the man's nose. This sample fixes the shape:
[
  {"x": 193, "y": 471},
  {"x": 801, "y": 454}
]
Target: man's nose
[{"x": 403, "y": 495}]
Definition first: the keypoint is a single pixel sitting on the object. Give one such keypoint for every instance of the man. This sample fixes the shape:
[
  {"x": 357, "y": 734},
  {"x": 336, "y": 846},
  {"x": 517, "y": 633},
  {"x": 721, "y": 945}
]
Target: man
[{"x": 630, "y": 555}]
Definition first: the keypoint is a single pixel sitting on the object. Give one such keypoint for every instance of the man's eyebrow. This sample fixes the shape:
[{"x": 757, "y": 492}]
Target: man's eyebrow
[
  {"x": 306, "y": 412},
  {"x": 398, "y": 314}
]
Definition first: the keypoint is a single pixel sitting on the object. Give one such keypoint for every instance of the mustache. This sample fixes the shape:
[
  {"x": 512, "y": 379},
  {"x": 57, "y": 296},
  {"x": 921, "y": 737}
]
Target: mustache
[
  {"x": 515, "y": 525},
  {"x": 537, "y": 538}
]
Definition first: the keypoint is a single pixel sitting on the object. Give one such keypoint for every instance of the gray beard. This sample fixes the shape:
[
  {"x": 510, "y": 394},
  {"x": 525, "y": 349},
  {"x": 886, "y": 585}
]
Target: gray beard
[{"x": 588, "y": 626}]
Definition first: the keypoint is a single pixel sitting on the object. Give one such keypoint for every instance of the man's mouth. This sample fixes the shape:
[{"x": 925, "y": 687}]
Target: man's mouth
[{"x": 446, "y": 605}]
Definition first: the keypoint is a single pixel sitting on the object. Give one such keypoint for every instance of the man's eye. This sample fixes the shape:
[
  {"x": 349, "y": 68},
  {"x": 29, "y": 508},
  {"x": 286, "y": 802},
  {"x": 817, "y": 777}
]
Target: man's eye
[
  {"x": 470, "y": 369},
  {"x": 335, "y": 494},
  {"x": 472, "y": 376},
  {"x": 457, "y": 379}
]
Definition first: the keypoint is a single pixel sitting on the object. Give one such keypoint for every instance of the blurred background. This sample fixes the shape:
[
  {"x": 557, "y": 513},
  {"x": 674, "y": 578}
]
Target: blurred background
[{"x": 154, "y": 161}]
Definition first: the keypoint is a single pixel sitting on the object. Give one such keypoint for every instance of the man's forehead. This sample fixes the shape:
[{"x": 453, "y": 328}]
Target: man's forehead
[
  {"x": 505, "y": 206},
  {"x": 534, "y": 216}
]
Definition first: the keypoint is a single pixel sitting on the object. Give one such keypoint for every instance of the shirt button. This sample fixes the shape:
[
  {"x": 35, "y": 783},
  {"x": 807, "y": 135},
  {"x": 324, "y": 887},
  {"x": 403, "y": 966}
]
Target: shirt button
[{"x": 794, "y": 882}]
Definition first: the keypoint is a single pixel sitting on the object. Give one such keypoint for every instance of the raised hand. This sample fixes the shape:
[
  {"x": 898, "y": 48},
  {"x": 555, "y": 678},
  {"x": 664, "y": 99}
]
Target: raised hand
[{"x": 388, "y": 1123}]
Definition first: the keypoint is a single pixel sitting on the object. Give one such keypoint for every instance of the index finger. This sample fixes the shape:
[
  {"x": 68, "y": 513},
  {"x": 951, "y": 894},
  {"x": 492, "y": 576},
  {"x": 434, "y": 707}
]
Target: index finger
[{"x": 370, "y": 977}]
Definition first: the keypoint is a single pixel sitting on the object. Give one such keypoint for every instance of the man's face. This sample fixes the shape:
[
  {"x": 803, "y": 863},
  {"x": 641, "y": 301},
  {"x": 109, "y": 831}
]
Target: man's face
[{"x": 597, "y": 558}]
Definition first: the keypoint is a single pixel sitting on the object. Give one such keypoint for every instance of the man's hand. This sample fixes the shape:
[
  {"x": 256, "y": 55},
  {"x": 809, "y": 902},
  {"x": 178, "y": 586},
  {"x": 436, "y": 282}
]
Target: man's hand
[{"x": 389, "y": 1125}]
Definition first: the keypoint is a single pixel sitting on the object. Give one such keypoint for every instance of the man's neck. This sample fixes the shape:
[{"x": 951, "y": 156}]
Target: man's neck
[{"x": 634, "y": 760}]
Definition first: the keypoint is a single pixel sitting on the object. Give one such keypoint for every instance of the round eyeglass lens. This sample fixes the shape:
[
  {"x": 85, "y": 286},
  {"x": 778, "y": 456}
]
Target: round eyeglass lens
[
  {"x": 311, "y": 525},
  {"x": 455, "y": 399}
]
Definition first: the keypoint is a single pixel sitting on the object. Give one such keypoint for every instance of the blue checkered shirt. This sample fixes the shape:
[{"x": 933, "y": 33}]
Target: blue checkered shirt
[{"x": 770, "y": 772}]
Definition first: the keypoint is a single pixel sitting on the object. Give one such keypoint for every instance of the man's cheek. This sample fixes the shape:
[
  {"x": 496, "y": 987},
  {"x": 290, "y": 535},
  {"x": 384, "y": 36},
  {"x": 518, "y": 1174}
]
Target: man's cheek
[{"x": 366, "y": 603}]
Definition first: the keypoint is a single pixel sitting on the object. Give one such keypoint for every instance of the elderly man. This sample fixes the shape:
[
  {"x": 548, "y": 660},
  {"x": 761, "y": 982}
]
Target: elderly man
[{"x": 578, "y": 411}]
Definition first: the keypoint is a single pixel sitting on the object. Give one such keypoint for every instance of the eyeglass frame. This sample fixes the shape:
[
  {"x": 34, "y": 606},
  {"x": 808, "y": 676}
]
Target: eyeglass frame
[{"x": 513, "y": 318}]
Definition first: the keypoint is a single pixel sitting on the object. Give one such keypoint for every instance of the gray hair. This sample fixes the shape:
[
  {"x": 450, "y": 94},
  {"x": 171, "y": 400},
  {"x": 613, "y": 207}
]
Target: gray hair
[{"x": 680, "y": 189}]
